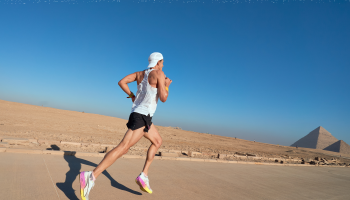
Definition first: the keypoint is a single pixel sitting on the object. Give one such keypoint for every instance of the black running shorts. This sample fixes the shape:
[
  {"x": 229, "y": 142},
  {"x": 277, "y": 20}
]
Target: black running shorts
[{"x": 137, "y": 120}]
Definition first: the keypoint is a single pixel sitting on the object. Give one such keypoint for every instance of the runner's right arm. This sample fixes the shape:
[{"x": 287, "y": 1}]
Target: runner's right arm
[{"x": 162, "y": 83}]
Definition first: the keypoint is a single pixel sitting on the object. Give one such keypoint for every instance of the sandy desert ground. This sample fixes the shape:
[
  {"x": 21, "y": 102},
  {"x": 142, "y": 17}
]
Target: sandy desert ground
[{"x": 19, "y": 120}]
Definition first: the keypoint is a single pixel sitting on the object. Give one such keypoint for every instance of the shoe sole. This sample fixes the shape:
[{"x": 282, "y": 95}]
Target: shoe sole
[
  {"x": 142, "y": 185},
  {"x": 82, "y": 184}
]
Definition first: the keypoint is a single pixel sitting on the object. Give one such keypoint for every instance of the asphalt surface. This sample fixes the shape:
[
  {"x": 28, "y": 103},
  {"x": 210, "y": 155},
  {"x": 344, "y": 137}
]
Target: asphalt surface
[{"x": 43, "y": 177}]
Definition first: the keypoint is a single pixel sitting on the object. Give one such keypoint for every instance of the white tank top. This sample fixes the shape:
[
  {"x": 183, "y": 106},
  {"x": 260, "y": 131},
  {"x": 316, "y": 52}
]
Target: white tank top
[{"x": 146, "y": 97}]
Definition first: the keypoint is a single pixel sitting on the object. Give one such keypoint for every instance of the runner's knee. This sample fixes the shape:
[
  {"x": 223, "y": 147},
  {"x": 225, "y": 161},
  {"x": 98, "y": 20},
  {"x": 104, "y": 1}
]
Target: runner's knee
[
  {"x": 125, "y": 146},
  {"x": 158, "y": 143}
]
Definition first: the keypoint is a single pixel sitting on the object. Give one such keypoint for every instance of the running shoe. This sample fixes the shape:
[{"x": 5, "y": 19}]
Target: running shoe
[
  {"x": 87, "y": 182},
  {"x": 143, "y": 182}
]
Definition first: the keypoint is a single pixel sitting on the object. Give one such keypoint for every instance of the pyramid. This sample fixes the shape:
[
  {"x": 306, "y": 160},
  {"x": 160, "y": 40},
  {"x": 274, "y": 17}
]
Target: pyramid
[
  {"x": 319, "y": 138},
  {"x": 339, "y": 146}
]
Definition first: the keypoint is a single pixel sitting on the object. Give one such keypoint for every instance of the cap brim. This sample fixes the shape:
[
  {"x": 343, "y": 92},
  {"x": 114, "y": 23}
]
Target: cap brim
[{"x": 152, "y": 63}]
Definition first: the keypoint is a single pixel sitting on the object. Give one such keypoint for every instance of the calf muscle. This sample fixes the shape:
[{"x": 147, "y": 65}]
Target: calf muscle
[{"x": 130, "y": 138}]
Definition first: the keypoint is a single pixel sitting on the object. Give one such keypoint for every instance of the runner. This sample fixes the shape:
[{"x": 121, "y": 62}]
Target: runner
[{"x": 151, "y": 85}]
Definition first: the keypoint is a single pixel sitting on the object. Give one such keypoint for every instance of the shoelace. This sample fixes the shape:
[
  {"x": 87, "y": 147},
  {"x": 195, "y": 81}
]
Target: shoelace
[
  {"x": 147, "y": 183},
  {"x": 87, "y": 185}
]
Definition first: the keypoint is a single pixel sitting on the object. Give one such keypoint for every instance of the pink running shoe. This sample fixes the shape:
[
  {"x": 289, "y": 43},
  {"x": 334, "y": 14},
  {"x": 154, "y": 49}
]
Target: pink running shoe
[
  {"x": 143, "y": 182},
  {"x": 87, "y": 182}
]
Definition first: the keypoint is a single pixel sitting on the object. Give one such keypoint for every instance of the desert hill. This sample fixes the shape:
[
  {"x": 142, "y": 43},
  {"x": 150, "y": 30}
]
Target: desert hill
[{"x": 19, "y": 120}]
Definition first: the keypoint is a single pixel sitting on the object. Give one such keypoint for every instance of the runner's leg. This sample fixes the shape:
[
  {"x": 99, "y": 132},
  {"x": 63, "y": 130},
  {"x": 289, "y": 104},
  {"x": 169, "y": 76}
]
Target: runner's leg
[
  {"x": 156, "y": 140},
  {"x": 130, "y": 138}
]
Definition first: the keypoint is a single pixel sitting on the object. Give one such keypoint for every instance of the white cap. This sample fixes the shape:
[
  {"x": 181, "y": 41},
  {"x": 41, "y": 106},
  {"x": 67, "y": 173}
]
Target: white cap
[{"x": 154, "y": 58}]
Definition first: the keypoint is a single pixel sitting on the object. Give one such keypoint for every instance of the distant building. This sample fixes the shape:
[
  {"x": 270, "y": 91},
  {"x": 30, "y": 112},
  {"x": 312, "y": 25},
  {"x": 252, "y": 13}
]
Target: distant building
[{"x": 320, "y": 138}]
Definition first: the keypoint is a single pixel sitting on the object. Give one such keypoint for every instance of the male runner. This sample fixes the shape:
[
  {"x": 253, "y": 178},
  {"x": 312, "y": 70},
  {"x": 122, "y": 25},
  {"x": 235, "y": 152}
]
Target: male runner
[{"x": 151, "y": 85}]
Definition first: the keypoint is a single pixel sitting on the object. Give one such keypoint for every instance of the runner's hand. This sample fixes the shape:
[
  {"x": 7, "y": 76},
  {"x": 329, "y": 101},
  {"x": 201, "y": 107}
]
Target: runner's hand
[
  {"x": 168, "y": 81},
  {"x": 133, "y": 99}
]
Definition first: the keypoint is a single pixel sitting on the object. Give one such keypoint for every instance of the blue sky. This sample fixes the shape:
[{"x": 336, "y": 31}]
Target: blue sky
[{"x": 270, "y": 71}]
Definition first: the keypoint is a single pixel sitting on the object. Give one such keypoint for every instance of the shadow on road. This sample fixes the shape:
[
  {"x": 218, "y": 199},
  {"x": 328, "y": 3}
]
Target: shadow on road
[{"x": 74, "y": 164}]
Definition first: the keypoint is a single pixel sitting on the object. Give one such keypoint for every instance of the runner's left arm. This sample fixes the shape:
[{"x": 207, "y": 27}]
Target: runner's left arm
[{"x": 124, "y": 83}]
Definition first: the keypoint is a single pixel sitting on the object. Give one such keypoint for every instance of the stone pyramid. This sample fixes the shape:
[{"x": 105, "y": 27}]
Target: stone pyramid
[
  {"x": 339, "y": 146},
  {"x": 319, "y": 138}
]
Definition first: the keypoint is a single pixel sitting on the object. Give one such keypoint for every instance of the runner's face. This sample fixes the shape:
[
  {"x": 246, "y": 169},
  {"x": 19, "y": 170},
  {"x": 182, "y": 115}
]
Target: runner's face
[{"x": 160, "y": 63}]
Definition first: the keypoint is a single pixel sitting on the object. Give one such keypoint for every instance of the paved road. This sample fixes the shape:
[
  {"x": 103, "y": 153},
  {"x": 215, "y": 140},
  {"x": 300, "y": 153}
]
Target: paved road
[{"x": 46, "y": 177}]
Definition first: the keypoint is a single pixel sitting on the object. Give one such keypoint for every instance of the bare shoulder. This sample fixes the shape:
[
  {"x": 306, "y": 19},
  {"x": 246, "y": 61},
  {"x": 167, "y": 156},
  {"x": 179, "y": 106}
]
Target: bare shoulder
[
  {"x": 139, "y": 72},
  {"x": 139, "y": 76},
  {"x": 157, "y": 73}
]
